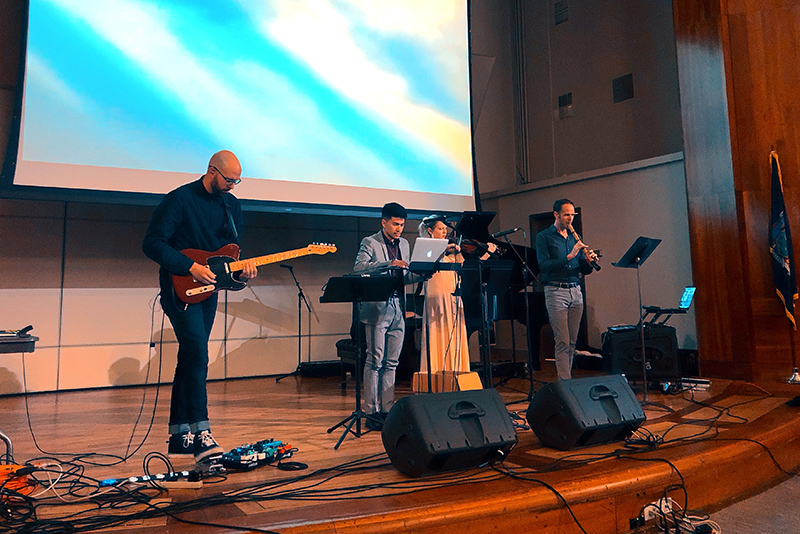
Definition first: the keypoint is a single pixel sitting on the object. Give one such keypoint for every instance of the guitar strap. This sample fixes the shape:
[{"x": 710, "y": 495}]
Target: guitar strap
[{"x": 231, "y": 224}]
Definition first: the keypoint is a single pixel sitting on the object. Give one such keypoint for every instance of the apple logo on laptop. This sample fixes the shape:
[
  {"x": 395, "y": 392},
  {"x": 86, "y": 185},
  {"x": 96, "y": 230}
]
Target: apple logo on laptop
[{"x": 430, "y": 253}]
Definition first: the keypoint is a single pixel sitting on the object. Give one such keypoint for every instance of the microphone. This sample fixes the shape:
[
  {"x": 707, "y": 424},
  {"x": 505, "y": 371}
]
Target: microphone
[
  {"x": 505, "y": 232},
  {"x": 286, "y": 266}
]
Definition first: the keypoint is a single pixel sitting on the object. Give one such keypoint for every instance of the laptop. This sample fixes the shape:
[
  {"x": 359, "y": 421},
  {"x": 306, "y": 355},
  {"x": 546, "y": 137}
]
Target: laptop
[
  {"x": 427, "y": 251},
  {"x": 666, "y": 313},
  {"x": 686, "y": 298}
]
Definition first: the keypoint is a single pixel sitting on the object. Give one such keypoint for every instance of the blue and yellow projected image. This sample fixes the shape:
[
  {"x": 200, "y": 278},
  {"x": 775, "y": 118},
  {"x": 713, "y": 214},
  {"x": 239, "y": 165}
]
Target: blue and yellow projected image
[{"x": 365, "y": 93}]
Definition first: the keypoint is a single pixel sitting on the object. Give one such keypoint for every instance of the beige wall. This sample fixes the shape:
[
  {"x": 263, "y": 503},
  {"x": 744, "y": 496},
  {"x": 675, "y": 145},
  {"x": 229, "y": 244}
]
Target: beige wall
[
  {"x": 76, "y": 273},
  {"x": 617, "y": 205}
]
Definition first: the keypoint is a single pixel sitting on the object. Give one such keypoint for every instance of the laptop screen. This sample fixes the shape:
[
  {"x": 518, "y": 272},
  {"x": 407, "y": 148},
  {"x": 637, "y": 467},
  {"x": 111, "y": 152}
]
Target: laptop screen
[{"x": 428, "y": 249}]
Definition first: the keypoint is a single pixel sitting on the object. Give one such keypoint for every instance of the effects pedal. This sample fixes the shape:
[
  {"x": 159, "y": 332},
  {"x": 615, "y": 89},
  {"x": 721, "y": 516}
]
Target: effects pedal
[
  {"x": 210, "y": 466},
  {"x": 257, "y": 454}
]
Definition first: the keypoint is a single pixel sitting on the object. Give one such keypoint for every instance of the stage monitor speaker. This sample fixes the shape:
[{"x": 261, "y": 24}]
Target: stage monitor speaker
[
  {"x": 433, "y": 432},
  {"x": 622, "y": 352},
  {"x": 569, "y": 414}
]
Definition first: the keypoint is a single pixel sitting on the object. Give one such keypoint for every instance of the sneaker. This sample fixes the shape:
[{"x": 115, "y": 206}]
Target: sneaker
[
  {"x": 181, "y": 444},
  {"x": 205, "y": 447}
]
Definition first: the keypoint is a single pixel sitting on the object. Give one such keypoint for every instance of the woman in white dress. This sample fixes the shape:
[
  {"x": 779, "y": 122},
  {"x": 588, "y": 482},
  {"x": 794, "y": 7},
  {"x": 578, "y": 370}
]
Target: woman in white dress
[{"x": 444, "y": 312}]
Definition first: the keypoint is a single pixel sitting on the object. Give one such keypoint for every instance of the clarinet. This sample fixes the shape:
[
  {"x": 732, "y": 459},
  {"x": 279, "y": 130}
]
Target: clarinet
[{"x": 594, "y": 264}]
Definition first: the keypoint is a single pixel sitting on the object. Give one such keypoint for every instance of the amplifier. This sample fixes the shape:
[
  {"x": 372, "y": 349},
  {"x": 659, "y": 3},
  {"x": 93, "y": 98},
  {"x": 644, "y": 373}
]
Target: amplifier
[{"x": 622, "y": 352}]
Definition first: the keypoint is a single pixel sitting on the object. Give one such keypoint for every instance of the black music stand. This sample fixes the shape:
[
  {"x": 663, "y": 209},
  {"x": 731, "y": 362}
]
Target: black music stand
[
  {"x": 358, "y": 289},
  {"x": 488, "y": 279},
  {"x": 636, "y": 255}
]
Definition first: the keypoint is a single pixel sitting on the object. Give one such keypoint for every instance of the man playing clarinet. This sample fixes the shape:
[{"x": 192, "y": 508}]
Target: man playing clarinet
[{"x": 563, "y": 259}]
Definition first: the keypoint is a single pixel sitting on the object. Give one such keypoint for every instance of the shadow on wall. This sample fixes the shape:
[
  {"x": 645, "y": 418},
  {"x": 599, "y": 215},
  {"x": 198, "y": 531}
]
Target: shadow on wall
[
  {"x": 9, "y": 383},
  {"x": 128, "y": 372},
  {"x": 244, "y": 356},
  {"x": 125, "y": 372},
  {"x": 256, "y": 312}
]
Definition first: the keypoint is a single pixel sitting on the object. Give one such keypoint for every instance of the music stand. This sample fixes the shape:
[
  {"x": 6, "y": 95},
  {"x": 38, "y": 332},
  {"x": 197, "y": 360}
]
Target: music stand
[
  {"x": 636, "y": 255},
  {"x": 358, "y": 289},
  {"x": 487, "y": 279},
  {"x": 475, "y": 225},
  {"x": 427, "y": 270}
]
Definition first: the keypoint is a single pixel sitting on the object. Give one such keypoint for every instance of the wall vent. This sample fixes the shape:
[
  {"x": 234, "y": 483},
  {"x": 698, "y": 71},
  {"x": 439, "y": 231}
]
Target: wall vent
[
  {"x": 560, "y": 12},
  {"x": 622, "y": 88},
  {"x": 564, "y": 106}
]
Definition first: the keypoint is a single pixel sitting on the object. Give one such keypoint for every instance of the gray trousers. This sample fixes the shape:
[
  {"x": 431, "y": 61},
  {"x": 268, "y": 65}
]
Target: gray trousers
[
  {"x": 384, "y": 341},
  {"x": 565, "y": 308}
]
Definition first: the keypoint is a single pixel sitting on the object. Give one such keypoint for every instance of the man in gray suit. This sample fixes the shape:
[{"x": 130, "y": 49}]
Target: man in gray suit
[{"x": 384, "y": 322}]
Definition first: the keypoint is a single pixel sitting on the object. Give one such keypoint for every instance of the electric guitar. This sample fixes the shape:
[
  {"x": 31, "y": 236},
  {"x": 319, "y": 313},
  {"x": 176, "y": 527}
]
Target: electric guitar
[{"x": 225, "y": 264}]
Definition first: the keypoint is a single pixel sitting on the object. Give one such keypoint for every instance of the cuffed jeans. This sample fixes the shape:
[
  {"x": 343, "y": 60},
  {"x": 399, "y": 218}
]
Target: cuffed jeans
[
  {"x": 565, "y": 308},
  {"x": 384, "y": 341},
  {"x": 189, "y": 402}
]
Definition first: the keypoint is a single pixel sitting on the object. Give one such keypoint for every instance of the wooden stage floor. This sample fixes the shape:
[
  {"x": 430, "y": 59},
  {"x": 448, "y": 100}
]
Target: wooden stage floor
[{"x": 720, "y": 445}]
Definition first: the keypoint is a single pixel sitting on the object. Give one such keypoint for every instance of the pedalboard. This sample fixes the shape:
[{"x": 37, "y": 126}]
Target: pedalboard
[{"x": 254, "y": 455}]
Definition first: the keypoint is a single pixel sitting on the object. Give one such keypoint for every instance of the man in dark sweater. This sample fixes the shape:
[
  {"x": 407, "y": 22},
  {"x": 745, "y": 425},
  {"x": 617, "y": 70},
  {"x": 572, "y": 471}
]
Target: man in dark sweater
[{"x": 198, "y": 215}]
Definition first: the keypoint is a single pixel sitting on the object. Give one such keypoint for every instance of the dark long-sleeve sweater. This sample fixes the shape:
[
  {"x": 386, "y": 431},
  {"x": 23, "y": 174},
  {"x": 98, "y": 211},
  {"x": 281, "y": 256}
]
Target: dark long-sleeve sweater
[{"x": 189, "y": 217}]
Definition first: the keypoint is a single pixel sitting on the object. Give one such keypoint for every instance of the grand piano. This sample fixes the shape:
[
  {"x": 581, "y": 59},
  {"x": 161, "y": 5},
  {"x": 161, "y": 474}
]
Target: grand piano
[{"x": 506, "y": 302}]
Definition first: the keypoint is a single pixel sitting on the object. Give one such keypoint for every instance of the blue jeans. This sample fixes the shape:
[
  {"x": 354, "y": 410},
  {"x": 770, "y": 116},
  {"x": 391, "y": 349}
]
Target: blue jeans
[
  {"x": 189, "y": 402},
  {"x": 384, "y": 341},
  {"x": 565, "y": 308}
]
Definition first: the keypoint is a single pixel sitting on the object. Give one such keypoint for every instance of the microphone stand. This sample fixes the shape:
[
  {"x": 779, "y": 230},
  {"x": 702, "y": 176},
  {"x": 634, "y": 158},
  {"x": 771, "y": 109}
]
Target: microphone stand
[
  {"x": 526, "y": 272},
  {"x": 301, "y": 298}
]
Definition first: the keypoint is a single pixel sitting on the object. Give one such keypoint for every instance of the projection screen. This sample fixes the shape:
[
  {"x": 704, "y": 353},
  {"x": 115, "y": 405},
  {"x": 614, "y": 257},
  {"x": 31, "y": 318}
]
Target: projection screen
[{"x": 326, "y": 102}]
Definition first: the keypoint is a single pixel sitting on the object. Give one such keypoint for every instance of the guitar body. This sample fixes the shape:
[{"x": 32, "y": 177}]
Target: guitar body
[
  {"x": 218, "y": 261},
  {"x": 225, "y": 264}
]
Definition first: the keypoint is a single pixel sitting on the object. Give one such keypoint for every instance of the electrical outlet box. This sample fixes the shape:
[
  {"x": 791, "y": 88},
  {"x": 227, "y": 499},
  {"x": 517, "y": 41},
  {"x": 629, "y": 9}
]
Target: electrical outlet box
[{"x": 658, "y": 508}]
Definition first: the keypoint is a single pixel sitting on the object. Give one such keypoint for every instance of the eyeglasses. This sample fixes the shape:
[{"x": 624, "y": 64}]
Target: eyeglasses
[{"x": 232, "y": 181}]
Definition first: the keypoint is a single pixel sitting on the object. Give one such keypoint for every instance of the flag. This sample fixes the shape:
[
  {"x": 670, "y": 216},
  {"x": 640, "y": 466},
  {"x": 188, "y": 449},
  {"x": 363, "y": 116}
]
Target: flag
[{"x": 780, "y": 244}]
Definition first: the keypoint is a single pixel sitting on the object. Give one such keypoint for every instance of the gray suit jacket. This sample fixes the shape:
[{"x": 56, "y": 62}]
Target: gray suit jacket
[{"x": 373, "y": 258}]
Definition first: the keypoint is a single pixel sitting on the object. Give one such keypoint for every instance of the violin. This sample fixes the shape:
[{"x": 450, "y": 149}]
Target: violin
[{"x": 471, "y": 247}]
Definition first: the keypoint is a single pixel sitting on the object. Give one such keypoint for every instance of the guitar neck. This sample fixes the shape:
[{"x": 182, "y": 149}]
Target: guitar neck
[{"x": 269, "y": 258}]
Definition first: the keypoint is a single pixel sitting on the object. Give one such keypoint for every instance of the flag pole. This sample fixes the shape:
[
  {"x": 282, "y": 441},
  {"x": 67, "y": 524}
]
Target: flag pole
[
  {"x": 781, "y": 250},
  {"x": 795, "y": 378}
]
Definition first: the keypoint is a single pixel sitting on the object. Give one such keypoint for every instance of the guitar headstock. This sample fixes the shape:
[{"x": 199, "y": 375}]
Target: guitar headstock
[{"x": 321, "y": 248}]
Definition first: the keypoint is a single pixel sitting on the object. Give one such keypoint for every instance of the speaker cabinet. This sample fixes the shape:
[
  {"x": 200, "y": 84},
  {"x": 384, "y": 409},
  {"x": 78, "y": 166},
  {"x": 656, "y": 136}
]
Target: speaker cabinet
[
  {"x": 569, "y": 414},
  {"x": 433, "y": 432},
  {"x": 622, "y": 352}
]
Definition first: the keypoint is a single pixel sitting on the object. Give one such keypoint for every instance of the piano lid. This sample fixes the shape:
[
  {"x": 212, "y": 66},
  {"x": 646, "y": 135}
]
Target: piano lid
[{"x": 475, "y": 225}]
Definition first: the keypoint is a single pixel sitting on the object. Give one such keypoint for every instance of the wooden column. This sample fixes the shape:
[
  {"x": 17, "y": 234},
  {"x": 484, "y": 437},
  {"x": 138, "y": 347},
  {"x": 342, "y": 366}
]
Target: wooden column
[{"x": 740, "y": 97}]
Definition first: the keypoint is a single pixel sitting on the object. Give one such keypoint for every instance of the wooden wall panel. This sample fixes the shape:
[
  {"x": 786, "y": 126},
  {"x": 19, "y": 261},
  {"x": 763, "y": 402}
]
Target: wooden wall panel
[
  {"x": 754, "y": 107},
  {"x": 764, "y": 79},
  {"x": 723, "y": 319}
]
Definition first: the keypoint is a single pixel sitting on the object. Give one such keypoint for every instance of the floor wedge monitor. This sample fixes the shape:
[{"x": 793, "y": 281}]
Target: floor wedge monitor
[
  {"x": 569, "y": 414},
  {"x": 433, "y": 432}
]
